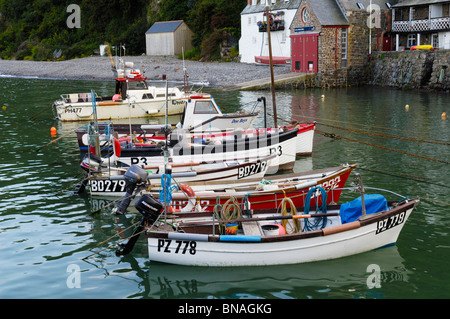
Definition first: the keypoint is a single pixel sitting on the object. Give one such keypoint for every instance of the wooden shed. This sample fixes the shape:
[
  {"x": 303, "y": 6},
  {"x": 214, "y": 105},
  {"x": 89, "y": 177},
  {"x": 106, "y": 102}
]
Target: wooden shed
[{"x": 168, "y": 38}]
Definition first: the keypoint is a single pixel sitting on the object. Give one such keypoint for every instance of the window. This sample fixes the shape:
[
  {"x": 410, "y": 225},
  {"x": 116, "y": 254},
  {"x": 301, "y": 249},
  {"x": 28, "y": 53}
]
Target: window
[
  {"x": 411, "y": 40},
  {"x": 297, "y": 65},
  {"x": 204, "y": 107},
  {"x": 435, "y": 40},
  {"x": 283, "y": 37},
  {"x": 360, "y": 5},
  {"x": 344, "y": 51},
  {"x": 305, "y": 15},
  {"x": 147, "y": 96}
]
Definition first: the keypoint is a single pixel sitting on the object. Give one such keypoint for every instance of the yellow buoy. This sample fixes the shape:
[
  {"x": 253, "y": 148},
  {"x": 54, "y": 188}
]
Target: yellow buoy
[
  {"x": 323, "y": 96},
  {"x": 4, "y": 107},
  {"x": 407, "y": 107},
  {"x": 444, "y": 115}
]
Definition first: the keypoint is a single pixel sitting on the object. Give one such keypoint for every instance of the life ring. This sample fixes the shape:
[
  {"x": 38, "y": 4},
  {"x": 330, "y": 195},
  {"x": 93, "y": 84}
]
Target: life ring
[{"x": 191, "y": 200}]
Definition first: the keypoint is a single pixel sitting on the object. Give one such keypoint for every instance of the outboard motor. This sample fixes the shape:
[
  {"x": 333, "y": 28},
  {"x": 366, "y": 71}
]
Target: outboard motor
[
  {"x": 150, "y": 208},
  {"x": 135, "y": 178},
  {"x": 90, "y": 163}
]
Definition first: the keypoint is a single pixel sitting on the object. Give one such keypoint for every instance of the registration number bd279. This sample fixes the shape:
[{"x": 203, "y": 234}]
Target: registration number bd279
[
  {"x": 390, "y": 222},
  {"x": 252, "y": 169},
  {"x": 110, "y": 186}
]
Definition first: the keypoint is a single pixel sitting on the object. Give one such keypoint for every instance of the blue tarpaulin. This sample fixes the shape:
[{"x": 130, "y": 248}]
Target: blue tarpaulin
[{"x": 351, "y": 211}]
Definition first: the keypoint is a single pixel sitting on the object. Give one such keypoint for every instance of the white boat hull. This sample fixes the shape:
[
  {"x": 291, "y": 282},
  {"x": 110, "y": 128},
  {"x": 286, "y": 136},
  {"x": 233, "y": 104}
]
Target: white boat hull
[
  {"x": 285, "y": 159},
  {"x": 220, "y": 174},
  {"x": 204, "y": 250},
  {"x": 70, "y": 112}
]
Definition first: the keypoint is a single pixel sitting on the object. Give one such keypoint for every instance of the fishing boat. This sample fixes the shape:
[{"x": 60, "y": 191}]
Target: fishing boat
[
  {"x": 151, "y": 135},
  {"x": 258, "y": 193},
  {"x": 202, "y": 119},
  {"x": 133, "y": 98},
  {"x": 271, "y": 236},
  {"x": 180, "y": 151},
  {"x": 110, "y": 181}
]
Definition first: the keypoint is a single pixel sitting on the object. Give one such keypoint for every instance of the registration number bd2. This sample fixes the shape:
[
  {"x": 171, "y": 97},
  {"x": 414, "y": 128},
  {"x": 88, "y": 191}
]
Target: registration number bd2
[{"x": 390, "y": 222}]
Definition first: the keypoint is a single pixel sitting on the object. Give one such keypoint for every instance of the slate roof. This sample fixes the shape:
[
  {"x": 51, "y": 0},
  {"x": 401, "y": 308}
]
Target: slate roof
[
  {"x": 280, "y": 5},
  {"x": 328, "y": 12},
  {"x": 162, "y": 27},
  {"x": 410, "y": 3},
  {"x": 352, "y": 4}
]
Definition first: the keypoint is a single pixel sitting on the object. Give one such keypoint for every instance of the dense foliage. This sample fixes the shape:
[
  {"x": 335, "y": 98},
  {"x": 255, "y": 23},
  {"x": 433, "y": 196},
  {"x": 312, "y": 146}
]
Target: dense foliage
[{"x": 34, "y": 30}]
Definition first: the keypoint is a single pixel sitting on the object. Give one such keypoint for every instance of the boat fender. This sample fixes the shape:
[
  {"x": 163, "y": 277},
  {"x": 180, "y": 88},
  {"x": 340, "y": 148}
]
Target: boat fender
[
  {"x": 340, "y": 228},
  {"x": 191, "y": 199},
  {"x": 117, "y": 147}
]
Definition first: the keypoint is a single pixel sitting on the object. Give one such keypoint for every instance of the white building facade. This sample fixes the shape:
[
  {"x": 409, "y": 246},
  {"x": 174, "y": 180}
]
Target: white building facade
[
  {"x": 254, "y": 43},
  {"x": 417, "y": 22}
]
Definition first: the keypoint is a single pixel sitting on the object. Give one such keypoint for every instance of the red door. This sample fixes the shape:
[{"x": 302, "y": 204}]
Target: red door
[
  {"x": 387, "y": 42},
  {"x": 304, "y": 49}
]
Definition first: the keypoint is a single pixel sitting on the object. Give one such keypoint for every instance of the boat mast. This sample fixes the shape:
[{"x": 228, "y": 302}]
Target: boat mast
[{"x": 271, "y": 70}]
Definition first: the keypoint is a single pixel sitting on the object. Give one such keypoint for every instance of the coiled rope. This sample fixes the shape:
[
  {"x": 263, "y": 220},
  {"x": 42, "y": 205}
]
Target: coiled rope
[
  {"x": 320, "y": 222},
  {"x": 165, "y": 191},
  {"x": 291, "y": 226},
  {"x": 229, "y": 211}
]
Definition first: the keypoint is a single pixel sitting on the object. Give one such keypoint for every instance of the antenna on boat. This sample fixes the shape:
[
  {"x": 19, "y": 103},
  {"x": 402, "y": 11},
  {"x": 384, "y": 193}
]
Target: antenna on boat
[
  {"x": 275, "y": 119},
  {"x": 186, "y": 85},
  {"x": 360, "y": 188}
]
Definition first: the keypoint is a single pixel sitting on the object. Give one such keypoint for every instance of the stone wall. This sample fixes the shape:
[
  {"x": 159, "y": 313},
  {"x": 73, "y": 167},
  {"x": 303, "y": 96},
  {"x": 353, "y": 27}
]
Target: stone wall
[{"x": 411, "y": 69}]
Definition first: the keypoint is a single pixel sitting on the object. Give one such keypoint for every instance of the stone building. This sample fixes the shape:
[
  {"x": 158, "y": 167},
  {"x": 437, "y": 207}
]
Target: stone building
[
  {"x": 335, "y": 38},
  {"x": 327, "y": 37}
]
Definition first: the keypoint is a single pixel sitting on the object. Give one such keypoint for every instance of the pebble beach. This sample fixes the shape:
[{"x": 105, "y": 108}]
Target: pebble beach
[{"x": 212, "y": 74}]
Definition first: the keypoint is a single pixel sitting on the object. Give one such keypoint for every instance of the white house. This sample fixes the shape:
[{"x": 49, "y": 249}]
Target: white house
[
  {"x": 168, "y": 38},
  {"x": 253, "y": 44},
  {"x": 417, "y": 22}
]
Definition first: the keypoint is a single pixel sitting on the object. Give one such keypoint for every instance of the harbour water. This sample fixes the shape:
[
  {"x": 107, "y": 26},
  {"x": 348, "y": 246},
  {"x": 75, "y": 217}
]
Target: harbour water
[{"x": 46, "y": 230}]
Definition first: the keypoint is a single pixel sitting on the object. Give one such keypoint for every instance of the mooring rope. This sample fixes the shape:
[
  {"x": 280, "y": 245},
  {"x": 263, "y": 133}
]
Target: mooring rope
[
  {"x": 332, "y": 135},
  {"x": 383, "y": 128},
  {"x": 384, "y": 135}
]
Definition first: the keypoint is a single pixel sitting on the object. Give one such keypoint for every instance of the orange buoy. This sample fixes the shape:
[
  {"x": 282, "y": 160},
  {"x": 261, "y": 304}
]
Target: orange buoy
[
  {"x": 444, "y": 115},
  {"x": 53, "y": 131}
]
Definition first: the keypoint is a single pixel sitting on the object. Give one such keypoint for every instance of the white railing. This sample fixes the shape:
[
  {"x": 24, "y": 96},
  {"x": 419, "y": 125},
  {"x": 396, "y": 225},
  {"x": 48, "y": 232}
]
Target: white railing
[{"x": 421, "y": 25}]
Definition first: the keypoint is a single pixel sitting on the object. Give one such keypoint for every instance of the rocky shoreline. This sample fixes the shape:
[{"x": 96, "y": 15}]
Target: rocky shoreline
[{"x": 212, "y": 74}]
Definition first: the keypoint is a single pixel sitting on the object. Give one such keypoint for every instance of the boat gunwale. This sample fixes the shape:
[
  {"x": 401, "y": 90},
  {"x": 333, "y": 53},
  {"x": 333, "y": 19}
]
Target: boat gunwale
[{"x": 301, "y": 235}]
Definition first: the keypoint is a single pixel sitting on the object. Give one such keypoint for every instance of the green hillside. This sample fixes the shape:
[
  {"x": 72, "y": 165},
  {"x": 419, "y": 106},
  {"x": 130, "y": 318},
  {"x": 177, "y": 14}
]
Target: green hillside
[{"x": 34, "y": 30}]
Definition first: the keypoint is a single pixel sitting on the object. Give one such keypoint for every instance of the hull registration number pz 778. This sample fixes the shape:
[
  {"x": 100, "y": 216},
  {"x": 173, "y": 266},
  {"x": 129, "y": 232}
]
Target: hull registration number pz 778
[{"x": 390, "y": 222}]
